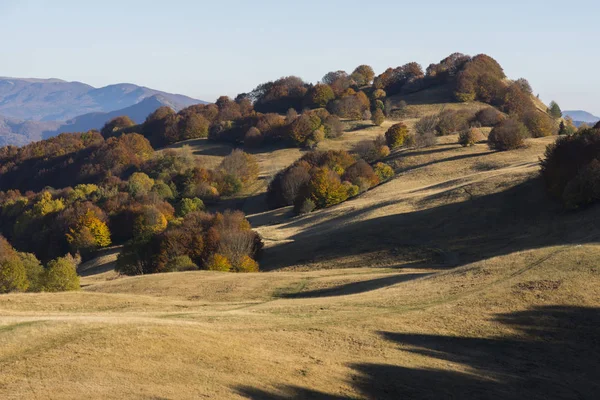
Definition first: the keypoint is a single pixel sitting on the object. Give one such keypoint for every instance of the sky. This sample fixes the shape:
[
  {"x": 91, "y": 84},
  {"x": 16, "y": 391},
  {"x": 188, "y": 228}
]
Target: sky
[{"x": 205, "y": 49}]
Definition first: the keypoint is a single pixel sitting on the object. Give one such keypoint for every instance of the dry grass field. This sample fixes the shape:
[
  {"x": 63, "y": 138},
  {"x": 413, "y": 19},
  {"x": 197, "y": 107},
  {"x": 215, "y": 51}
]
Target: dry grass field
[{"x": 458, "y": 278}]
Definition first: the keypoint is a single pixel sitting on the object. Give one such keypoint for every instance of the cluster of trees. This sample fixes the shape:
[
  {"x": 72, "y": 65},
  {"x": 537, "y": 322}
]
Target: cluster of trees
[
  {"x": 23, "y": 272},
  {"x": 135, "y": 192},
  {"x": 322, "y": 179},
  {"x": 200, "y": 240},
  {"x": 571, "y": 168}
]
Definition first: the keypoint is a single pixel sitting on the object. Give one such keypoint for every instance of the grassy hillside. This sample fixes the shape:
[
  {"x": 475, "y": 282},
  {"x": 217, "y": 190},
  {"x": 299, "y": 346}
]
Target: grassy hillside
[{"x": 458, "y": 278}]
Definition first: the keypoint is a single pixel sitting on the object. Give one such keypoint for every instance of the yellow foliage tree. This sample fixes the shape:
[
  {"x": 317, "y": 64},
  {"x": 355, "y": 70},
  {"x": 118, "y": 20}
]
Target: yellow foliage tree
[
  {"x": 90, "y": 232},
  {"x": 326, "y": 189}
]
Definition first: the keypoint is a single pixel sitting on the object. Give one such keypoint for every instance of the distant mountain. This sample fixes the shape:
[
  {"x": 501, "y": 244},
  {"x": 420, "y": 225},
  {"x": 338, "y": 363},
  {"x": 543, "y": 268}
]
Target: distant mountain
[
  {"x": 57, "y": 100},
  {"x": 581, "y": 117},
  {"x": 19, "y": 133},
  {"x": 138, "y": 113},
  {"x": 35, "y": 109}
]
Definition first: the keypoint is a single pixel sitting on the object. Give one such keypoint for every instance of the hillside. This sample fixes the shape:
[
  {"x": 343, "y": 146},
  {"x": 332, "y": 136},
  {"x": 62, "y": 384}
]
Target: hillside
[
  {"x": 456, "y": 275},
  {"x": 458, "y": 287}
]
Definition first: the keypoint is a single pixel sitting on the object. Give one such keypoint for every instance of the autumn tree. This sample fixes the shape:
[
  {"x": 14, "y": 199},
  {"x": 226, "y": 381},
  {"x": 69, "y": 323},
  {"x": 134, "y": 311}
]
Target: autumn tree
[
  {"x": 61, "y": 275},
  {"x": 378, "y": 117},
  {"x": 319, "y": 95},
  {"x": 325, "y": 188},
  {"x": 396, "y": 135},
  {"x": 115, "y": 125},
  {"x": 363, "y": 75}
]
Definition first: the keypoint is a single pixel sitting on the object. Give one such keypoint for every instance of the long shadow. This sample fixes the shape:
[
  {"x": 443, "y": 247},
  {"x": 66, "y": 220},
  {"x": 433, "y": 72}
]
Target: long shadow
[
  {"x": 553, "y": 354},
  {"x": 453, "y": 158},
  {"x": 355, "y": 287},
  {"x": 519, "y": 218}
]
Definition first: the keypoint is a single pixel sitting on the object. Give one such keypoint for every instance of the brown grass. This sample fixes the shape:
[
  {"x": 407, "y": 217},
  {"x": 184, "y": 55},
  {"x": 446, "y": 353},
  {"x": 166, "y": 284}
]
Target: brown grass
[{"x": 458, "y": 278}]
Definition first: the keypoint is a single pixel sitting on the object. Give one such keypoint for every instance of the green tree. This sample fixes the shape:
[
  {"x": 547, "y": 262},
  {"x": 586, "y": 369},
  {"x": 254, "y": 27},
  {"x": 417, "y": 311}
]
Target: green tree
[
  {"x": 378, "y": 117},
  {"x": 61, "y": 275},
  {"x": 554, "y": 110},
  {"x": 320, "y": 95},
  {"x": 139, "y": 184}
]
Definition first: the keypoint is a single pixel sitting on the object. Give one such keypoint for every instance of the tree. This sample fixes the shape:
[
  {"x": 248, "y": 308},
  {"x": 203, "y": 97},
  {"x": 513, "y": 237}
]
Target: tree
[
  {"x": 554, "y": 110},
  {"x": 193, "y": 126},
  {"x": 187, "y": 206},
  {"x": 61, "y": 275},
  {"x": 320, "y": 94},
  {"x": 13, "y": 275},
  {"x": 240, "y": 165},
  {"x": 365, "y": 73},
  {"x": 89, "y": 233},
  {"x": 396, "y": 135},
  {"x": 377, "y": 117},
  {"x": 139, "y": 184},
  {"x": 509, "y": 135},
  {"x": 115, "y": 125},
  {"x": 325, "y": 188},
  {"x": 539, "y": 124}
]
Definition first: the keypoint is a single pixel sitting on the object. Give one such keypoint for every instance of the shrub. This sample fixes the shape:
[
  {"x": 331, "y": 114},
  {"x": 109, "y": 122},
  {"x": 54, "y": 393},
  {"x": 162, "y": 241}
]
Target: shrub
[
  {"x": 187, "y": 205},
  {"x": 427, "y": 124},
  {"x": 218, "y": 262},
  {"x": 286, "y": 185},
  {"x": 571, "y": 169},
  {"x": 139, "y": 184},
  {"x": 333, "y": 127},
  {"x": 383, "y": 171},
  {"x": 509, "y": 135},
  {"x": 180, "y": 263},
  {"x": 240, "y": 165},
  {"x": 539, "y": 124},
  {"x": 396, "y": 135},
  {"x": 246, "y": 264},
  {"x": 325, "y": 188},
  {"x": 302, "y": 127},
  {"x": 61, "y": 275},
  {"x": 253, "y": 137},
  {"x": 422, "y": 140},
  {"x": 453, "y": 121},
  {"x": 378, "y": 94},
  {"x": 361, "y": 170},
  {"x": 305, "y": 206},
  {"x": 489, "y": 117},
  {"x": 469, "y": 137},
  {"x": 378, "y": 117},
  {"x": 13, "y": 276}
]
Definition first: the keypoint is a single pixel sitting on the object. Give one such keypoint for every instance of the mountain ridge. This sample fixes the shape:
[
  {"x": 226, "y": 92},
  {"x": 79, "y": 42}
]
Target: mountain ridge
[{"x": 33, "y": 109}]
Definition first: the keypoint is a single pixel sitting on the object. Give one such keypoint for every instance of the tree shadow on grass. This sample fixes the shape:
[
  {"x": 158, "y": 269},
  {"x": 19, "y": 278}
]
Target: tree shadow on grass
[
  {"x": 355, "y": 287},
  {"x": 516, "y": 219},
  {"x": 553, "y": 353}
]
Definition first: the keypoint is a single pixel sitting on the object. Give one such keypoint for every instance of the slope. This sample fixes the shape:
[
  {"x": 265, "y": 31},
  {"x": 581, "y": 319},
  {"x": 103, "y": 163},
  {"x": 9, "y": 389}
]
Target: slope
[{"x": 466, "y": 281}]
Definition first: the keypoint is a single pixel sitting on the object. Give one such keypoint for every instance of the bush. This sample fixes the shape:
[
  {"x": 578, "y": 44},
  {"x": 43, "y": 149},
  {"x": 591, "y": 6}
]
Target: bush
[
  {"x": 13, "y": 276},
  {"x": 371, "y": 150},
  {"x": 453, "y": 121},
  {"x": 571, "y": 169},
  {"x": 333, "y": 127},
  {"x": 383, "y": 171},
  {"x": 180, "y": 263},
  {"x": 61, "y": 275},
  {"x": 539, "y": 124},
  {"x": 469, "y": 137},
  {"x": 509, "y": 135},
  {"x": 396, "y": 135},
  {"x": 422, "y": 140},
  {"x": 325, "y": 188},
  {"x": 218, "y": 262},
  {"x": 427, "y": 124},
  {"x": 361, "y": 170},
  {"x": 241, "y": 166},
  {"x": 378, "y": 117},
  {"x": 253, "y": 137},
  {"x": 187, "y": 205},
  {"x": 306, "y": 206},
  {"x": 489, "y": 117}
]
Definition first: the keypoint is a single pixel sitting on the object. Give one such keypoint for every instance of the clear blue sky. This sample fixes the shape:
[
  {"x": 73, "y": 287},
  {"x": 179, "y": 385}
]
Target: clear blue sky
[{"x": 208, "y": 48}]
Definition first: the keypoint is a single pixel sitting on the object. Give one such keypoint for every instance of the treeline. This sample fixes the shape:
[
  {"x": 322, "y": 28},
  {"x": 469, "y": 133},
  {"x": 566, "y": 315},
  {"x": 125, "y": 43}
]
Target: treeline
[{"x": 292, "y": 111}]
